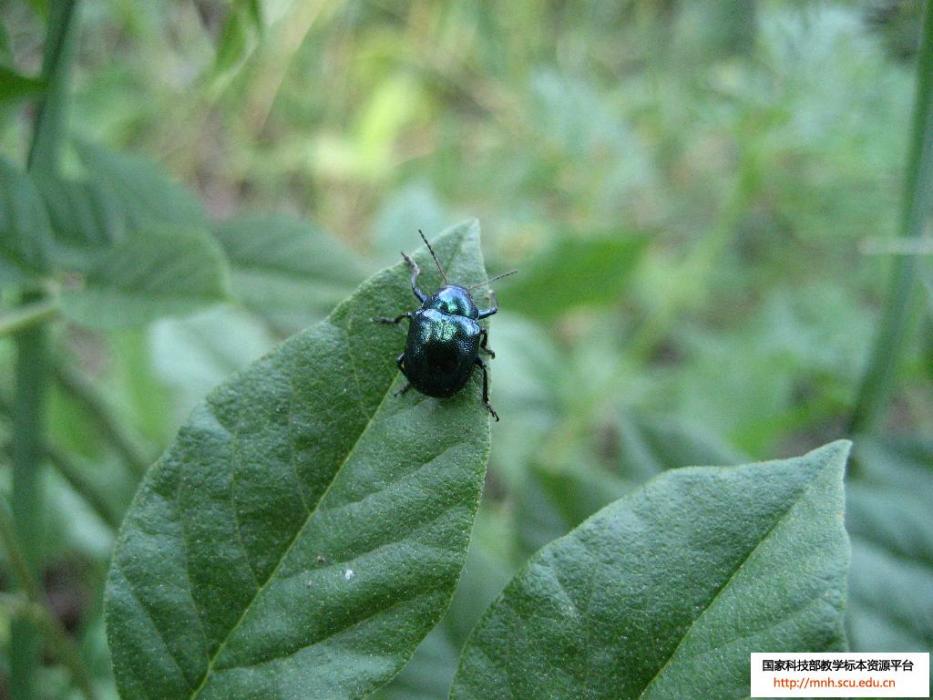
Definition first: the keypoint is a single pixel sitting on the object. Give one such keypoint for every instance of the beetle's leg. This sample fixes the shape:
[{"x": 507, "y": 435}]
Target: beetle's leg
[
  {"x": 397, "y": 319},
  {"x": 482, "y": 366},
  {"x": 483, "y": 339},
  {"x": 415, "y": 271},
  {"x": 492, "y": 309},
  {"x": 398, "y": 361}
]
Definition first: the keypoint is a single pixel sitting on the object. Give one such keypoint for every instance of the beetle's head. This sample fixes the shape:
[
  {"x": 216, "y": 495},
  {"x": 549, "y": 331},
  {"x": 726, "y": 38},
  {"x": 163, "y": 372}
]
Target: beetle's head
[{"x": 453, "y": 299}]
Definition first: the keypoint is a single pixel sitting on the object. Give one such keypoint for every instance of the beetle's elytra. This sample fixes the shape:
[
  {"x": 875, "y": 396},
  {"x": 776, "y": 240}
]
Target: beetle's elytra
[{"x": 444, "y": 338}]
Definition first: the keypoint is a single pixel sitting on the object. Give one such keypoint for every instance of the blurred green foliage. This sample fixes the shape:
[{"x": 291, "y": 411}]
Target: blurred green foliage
[{"x": 690, "y": 190}]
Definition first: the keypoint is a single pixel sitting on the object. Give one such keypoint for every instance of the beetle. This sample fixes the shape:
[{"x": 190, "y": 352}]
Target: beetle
[{"x": 444, "y": 337}]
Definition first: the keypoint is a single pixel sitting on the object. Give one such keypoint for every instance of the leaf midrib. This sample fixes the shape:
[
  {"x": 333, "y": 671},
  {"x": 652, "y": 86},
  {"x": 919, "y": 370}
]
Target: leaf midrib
[{"x": 728, "y": 582}]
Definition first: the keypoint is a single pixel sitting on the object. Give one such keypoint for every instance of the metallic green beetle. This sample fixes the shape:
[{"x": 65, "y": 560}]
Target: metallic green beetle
[{"x": 444, "y": 338}]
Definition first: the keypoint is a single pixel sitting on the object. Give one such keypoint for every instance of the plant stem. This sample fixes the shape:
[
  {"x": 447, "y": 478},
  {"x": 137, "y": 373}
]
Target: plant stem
[
  {"x": 28, "y": 429},
  {"x": 918, "y": 192},
  {"x": 84, "y": 393},
  {"x": 27, "y": 316},
  {"x": 74, "y": 475},
  {"x": 37, "y": 610},
  {"x": 49, "y": 129},
  {"x": 32, "y": 365}
]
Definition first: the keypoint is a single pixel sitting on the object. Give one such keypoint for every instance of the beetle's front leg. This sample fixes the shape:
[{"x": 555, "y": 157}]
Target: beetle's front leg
[
  {"x": 483, "y": 339},
  {"x": 485, "y": 313},
  {"x": 482, "y": 366},
  {"x": 397, "y": 319},
  {"x": 415, "y": 271}
]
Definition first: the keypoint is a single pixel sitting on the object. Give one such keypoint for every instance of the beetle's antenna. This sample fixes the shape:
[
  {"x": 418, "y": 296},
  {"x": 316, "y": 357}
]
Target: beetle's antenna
[
  {"x": 493, "y": 279},
  {"x": 433, "y": 255}
]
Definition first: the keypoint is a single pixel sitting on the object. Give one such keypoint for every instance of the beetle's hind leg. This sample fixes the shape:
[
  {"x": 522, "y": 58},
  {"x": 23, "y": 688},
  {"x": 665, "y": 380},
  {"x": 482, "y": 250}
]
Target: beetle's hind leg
[
  {"x": 482, "y": 366},
  {"x": 483, "y": 339},
  {"x": 397, "y": 319}
]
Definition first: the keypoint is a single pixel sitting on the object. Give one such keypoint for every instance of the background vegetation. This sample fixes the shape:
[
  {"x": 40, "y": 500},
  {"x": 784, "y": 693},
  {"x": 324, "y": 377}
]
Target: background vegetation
[{"x": 704, "y": 200}]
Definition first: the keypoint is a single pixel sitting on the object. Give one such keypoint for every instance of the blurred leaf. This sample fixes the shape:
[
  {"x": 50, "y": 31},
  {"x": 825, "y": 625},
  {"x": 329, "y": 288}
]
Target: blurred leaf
[
  {"x": 85, "y": 218},
  {"x": 256, "y": 560},
  {"x": 665, "y": 592},
  {"x": 147, "y": 276},
  {"x": 14, "y": 86},
  {"x": 193, "y": 355},
  {"x": 554, "y": 501},
  {"x": 650, "y": 445},
  {"x": 147, "y": 195},
  {"x": 25, "y": 236},
  {"x": 285, "y": 269},
  {"x": 6, "y": 50},
  {"x": 888, "y": 517},
  {"x": 238, "y": 36},
  {"x": 395, "y": 227},
  {"x": 574, "y": 272}
]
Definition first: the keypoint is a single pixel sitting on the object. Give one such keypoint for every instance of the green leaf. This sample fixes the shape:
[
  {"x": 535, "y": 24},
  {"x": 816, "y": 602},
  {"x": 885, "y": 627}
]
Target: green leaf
[
  {"x": 307, "y": 527},
  {"x": 85, "y": 218},
  {"x": 888, "y": 517},
  {"x": 25, "y": 236},
  {"x": 555, "y": 500},
  {"x": 14, "y": 86},
  {"x": 429, "y": 673},
  {"x": 285, "y": 269},
  {"x": 650, "y": 445},
  {"x": 147, "y": 276},
  {"x": 574, "y": 272},
  {"x": 148, "y": 196},
  {"x": 238, "y": 38},
  {"x": 665, "y": 592}
]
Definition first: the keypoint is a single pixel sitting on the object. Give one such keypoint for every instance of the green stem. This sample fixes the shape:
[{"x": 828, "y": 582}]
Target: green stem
[
  {"x": 27, "y": 316},
  {"x": 918, "y": 192},
  {"x": 28, "y": 429},
  {"x": 85, "y": 394},
  {"x": 74, "y": 475},
  {"x": 32, "y": 363},
  {"x": 38, "y": 611},
  {"x": 49, "y": 128}
]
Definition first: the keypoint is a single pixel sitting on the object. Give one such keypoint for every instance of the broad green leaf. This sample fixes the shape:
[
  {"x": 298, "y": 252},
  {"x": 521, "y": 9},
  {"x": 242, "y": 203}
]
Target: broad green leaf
[
  {"x": 429, "y": 673},
  {"x": 25, "y": 236},
  {"x": 14, "y": 86},
  {"x": 888, "y": 517},
  {"x": 147, "y": 276},
  {"x": 307, "y": 527},
  {"x": 285, "y": 269},
  {"x": 665, "y": 592},
  {"x": 147, "y": 195},
  {"x": 554, "y": 500},
  {"x": 573, "y": 272}
]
